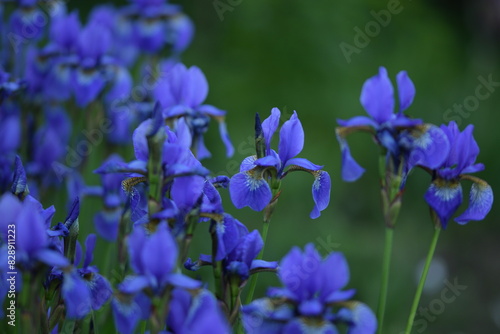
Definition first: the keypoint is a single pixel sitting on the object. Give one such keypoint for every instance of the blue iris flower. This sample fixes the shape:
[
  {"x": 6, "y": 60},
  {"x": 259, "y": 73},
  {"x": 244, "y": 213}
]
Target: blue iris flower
[
  {"x": 181, "y": 94},
  {"x": 153, "y": 259},
  {"x": 404, "y": 139},
  {"x": 237, "y": 248},
  {"x": 84, "y": 289},
  {"x": 312, "y": 299},
  {"x": 445, "y": 193},
  {"x": 194, "y": 314},
  {"x": 250, "y": 187}
]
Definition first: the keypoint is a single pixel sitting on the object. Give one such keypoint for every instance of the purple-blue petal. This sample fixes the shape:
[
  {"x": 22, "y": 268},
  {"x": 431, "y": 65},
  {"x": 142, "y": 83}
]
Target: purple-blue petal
[
  {"x": 444, "y": 199},
  {"x": 358, "y": 121},
  {"x": 321, "y": 193},
  {"x": 304, "y": 163},
  {"x": 480, "y": 202},
  {"x": 406, "y": 90},
  {"x": 269, "y": 127},
  {"x": 76, "y": 296},
  {"x": 159, "y": 254},
  {"x": 291, "y": 138},
  {"x": 429, "y": 149},
  {"x": 377, "y": 97},
  {"x": 248, "y": 189},
  {"x": 126, "y": 315},
  {"x": 183, "y": 281},
  {"x": 351, "y": 170}
]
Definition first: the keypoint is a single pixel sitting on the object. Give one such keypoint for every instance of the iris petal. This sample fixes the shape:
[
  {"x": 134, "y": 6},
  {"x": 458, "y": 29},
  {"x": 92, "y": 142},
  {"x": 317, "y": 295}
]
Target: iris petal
[
  {"x": 351, "y": 170},
  {"x": 406, "y": 90},
  {"x": 247, "y": 189},
  {"x": 321, "y": 193},
  {"x": 291, "y": 138},
  {"x": 377, "y": 97},
  {"x": 429, "y": 148},
  {"x": 480, "y": 202},
  {"x": 269, "y": 127},
  {"x": 444, "y": 199}
]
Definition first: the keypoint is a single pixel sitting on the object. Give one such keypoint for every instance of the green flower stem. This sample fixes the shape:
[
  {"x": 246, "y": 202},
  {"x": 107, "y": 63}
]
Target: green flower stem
[
  {"x": 386, "y": 266},
  {"x": 253, "y": 279},
  {"x": 421, "y": 283}
]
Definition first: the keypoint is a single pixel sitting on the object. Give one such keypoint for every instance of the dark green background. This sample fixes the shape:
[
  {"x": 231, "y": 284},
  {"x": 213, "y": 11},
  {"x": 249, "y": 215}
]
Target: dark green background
[{"x": 286, "y": 54}]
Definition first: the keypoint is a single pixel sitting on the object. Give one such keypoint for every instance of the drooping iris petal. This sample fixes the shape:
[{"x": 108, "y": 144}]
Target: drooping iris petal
[
  {"x": 229, "y": 233},
  {"x": 351, "y": 170},
  {"x": 321, "y": 193},
  {"x": 133, "y": 284},
  {"x": 205, "y": 313},
  {"x": 377, "y": 97},
  {"x": 480, "y": 202},
  {"x": 269, "y": 127},
  {"x": 249, "y": 189},
  {"x": 224, "y": 135},
  {"x": 291, "y": 138},
  {"x": 430, "y": 147},
  {"x": 126, "y": 315},
  {"x": 183, "y": 281},
  {"x": 360, "y": 319},
  {"x": 87, "y": 84},
  {"x": 444, "y": 198},
  {"x": 406, "y": 90},
  {"x": 76, "y": 296},
  {"x": 100, "y": 290}
]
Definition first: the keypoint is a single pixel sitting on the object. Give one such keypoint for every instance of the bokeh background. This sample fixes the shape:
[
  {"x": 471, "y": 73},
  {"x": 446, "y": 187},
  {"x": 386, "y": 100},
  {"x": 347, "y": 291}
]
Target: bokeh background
[{"x": 286, "y": 53}]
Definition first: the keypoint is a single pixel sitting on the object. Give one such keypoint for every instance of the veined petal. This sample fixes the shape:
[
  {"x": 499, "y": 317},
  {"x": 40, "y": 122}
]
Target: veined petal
[
  {"x": 76, "y": 296},
  {"x": 358, "y": 121},
  {"x": 248, "y": 163},
  {"x": 269, "y": 127},
  {"x": 291, "y": 138},
  {"x": 351, "y": 170},
  {"x": 444, "y": 198},
  {"x": 87, "y": 85},
  {"x": 321, "y": 192},
  {"x": 304, "y": 163},
  {"x": 126, "y": 315},
  {"x": 249, "y": 189},
  {"x": 360, "y": 319},
  {"x": 430, "y": 147},
  {"x": 186, "y": 190},
  {"x": 480, "y": 202},
  {"x": 377, "y": 97},
  {"x": 406, "y": 90}
]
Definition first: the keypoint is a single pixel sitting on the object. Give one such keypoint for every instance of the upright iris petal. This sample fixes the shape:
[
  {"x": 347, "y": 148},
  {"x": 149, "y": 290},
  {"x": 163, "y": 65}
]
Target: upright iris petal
[
  {"x": 377, "y": 97},
  {"x": 291, "y": 138}
]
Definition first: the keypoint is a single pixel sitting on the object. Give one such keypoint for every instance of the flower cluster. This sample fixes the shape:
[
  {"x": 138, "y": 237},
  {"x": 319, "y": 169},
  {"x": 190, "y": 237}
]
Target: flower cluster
[{"x": 69, "y": 85}]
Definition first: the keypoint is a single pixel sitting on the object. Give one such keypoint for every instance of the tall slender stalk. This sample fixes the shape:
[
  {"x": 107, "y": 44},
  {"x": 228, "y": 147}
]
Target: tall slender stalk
[
  {"x": 386, "y": 266},
  {"x": 253, "y": 278},
  {"x": 423, "y": 278}
]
